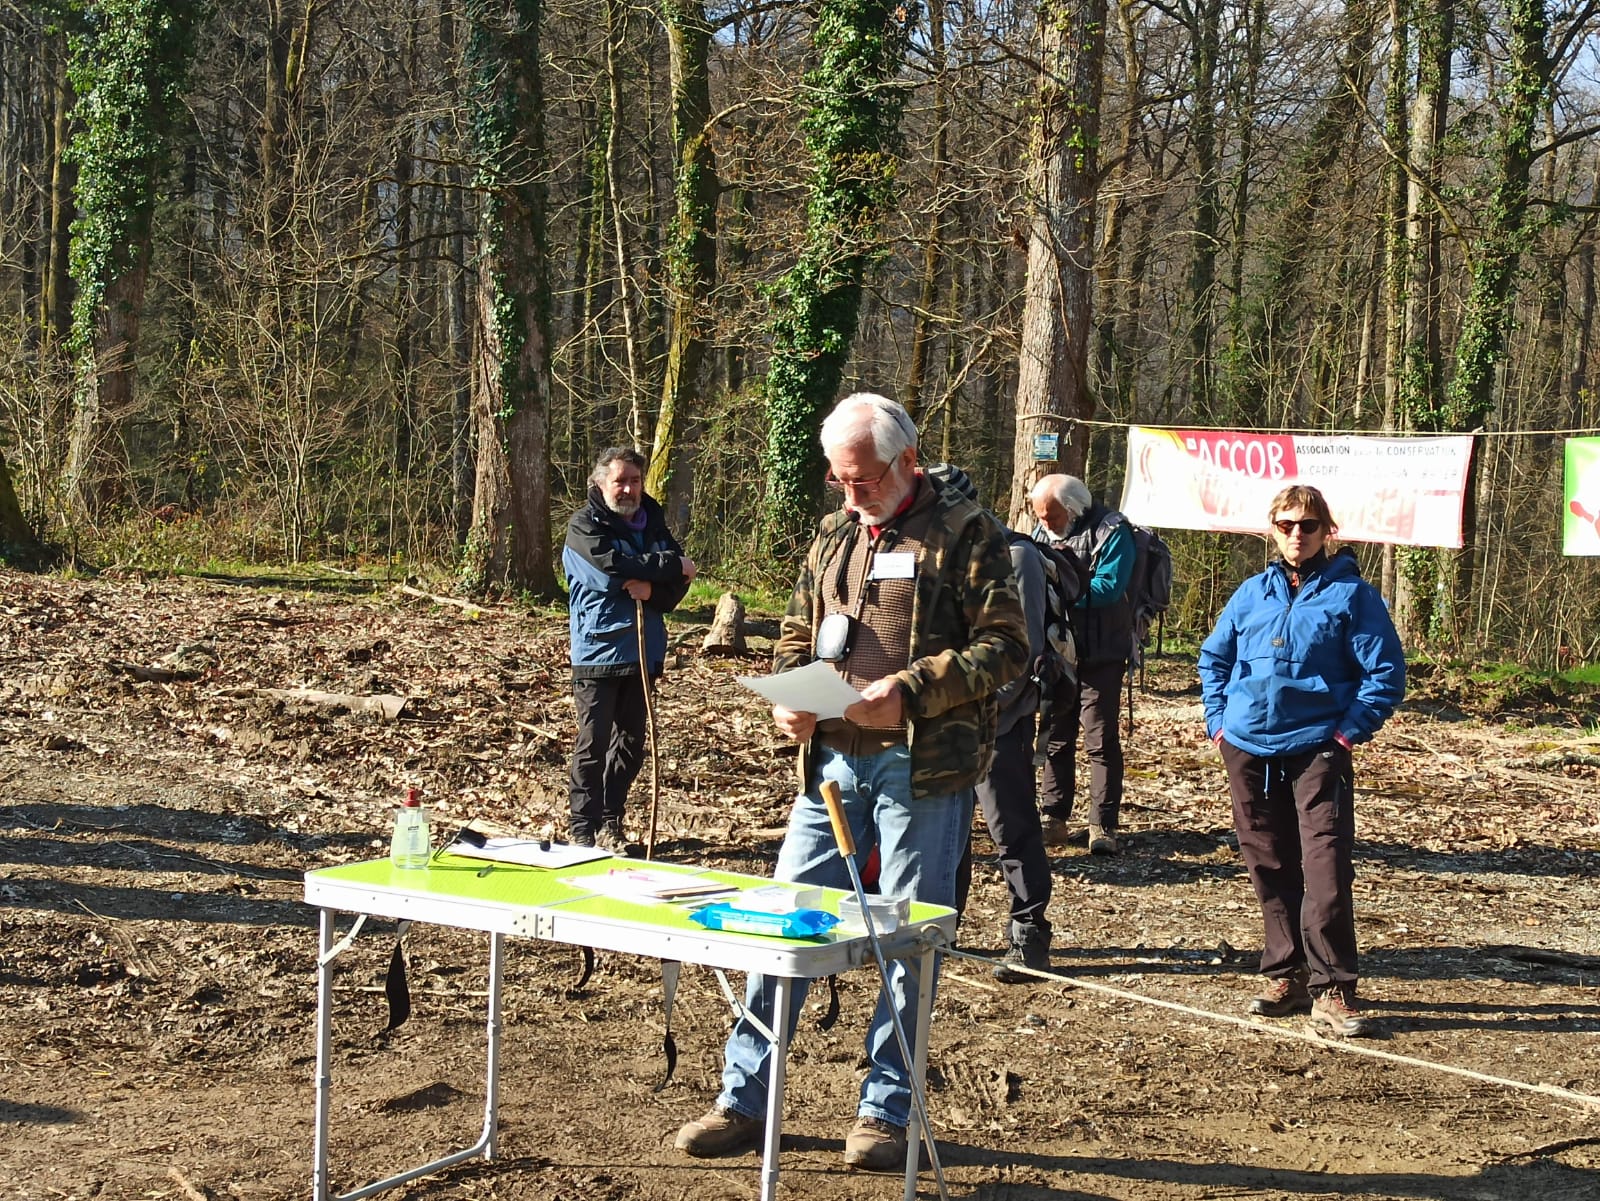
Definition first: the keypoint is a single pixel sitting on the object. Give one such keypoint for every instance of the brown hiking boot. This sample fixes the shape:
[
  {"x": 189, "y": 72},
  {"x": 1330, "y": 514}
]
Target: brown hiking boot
[
  {"x": 1282, "y": 996},
  {"x": 1056, "y": 833},
  {"x": 874, "y": 1145},
  {"x": 1102, "y": 841},
  {"x": 721, "y": 1132},
  {"x": 1334, "y": 1012}
]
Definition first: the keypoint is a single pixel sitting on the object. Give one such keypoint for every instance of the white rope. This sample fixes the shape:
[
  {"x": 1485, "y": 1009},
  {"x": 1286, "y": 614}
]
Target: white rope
[{"x": 1353, "y": 1048}]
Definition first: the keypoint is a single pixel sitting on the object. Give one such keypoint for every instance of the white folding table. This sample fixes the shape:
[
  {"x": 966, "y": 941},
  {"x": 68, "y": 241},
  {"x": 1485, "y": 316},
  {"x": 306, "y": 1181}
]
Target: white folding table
[{"x": 554, "y": 905}]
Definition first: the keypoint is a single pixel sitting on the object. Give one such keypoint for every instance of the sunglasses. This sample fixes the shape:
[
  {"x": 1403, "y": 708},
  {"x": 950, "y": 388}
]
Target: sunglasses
[{"x": 1308, "y": 525}]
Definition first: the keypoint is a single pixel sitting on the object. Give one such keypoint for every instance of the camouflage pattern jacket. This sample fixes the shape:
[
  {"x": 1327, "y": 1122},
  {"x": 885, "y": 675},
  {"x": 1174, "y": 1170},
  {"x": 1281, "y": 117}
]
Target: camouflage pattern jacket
[{"x": 968, "y": 637}]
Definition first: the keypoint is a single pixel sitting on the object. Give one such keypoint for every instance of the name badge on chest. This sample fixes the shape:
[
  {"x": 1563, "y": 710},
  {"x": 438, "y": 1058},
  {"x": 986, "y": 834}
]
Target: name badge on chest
[{"x": 898, "y": 565}]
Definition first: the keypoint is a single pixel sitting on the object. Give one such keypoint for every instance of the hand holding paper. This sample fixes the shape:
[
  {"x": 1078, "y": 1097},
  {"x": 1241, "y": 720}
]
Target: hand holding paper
[{"x": 815, "y": 688}]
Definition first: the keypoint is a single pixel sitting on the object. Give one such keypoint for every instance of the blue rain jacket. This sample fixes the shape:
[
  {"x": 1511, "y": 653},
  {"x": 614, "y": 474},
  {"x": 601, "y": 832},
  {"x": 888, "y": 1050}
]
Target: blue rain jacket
[
  {"x": 601, "y": 554},
  {"x": 1283, "y": 673}
]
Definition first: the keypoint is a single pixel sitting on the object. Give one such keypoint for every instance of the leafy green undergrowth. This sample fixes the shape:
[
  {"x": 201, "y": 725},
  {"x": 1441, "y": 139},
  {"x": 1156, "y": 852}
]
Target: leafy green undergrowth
[{"x": 1506, "y": 691}]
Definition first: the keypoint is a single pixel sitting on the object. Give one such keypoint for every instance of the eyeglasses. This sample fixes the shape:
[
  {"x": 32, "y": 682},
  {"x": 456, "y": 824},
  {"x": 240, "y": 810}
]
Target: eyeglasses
[
  {"x": 839, "y": 485},
  {"x": 1308, "y": 525}
]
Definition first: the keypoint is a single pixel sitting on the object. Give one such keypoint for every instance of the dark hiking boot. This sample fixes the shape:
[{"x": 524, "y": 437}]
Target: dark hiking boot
[
  {"x": 1030, "y": 949},
  {"x": 1334, "y": 1012},
  {"x": 1282, "y": 996},
  {"x": 612, "y": 838},
  {"x": 580, "y": 838},
  {"x": 874, "y": 1145},
  {"x": 720, "y": 1132}
]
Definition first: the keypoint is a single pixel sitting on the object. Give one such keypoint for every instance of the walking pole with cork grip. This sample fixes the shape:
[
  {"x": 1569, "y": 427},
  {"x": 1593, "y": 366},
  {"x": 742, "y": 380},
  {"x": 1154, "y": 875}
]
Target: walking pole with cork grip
[{"x": 834, "y": 800}]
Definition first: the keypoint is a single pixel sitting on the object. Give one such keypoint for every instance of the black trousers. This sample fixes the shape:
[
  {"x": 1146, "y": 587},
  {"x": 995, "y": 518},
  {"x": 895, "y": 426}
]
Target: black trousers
[
  {"x": 1093, "y": 705},
  {"x": 609, "y": 749},
  {"x": 1295, "y": 815},
  {"x": 1011, "y": 811}
]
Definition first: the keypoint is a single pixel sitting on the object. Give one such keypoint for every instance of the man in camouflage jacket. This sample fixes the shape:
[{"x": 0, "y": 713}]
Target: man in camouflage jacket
[{"x": 908, "y": 590}]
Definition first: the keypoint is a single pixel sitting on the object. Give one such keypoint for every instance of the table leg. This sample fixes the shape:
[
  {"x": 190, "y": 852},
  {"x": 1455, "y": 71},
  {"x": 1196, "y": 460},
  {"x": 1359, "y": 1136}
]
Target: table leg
[
  {"x": 776, "y": 1071},
  {"x": 485, "y": 1146},
  {"x": 319, "y": 1138},
  {"x": 923, "y": 966},
  {"x": 491, "y": 1111}
]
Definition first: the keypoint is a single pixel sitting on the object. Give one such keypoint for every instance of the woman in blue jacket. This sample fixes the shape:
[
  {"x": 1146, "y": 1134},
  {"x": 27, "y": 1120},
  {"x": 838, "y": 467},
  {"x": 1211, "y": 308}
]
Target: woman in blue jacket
[{"x": 1303, "y": 664}]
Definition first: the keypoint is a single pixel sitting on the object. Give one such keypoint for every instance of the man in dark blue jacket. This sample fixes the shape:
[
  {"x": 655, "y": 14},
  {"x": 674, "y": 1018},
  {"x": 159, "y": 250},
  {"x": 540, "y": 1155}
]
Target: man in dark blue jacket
[
  {"x": 623, "y": 568},
  {"x": 1304, "y": 664}
]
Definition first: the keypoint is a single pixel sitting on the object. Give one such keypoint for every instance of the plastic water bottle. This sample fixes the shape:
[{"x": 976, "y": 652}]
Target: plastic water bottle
[{"x": 409, "y": 847}]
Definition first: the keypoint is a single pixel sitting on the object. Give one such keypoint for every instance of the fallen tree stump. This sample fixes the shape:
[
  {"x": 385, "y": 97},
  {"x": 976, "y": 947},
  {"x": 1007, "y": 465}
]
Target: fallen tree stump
[{"x": 727, "y": 628}]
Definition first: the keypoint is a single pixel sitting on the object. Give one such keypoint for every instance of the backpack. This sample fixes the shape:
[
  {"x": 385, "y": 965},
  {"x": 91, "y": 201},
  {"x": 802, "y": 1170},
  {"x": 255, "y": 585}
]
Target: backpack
[
  {"x": 1150, "y": 588},
  {"x": 1065, "y": 580}
]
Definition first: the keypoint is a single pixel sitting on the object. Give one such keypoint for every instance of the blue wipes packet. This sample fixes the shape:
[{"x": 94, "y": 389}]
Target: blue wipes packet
[{"x": 797, "y": 923}]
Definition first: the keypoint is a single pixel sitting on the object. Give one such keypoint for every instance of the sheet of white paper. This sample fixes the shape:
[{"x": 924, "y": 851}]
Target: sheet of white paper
[
  {"x": 814, "y": 688},
  {"x": 530, "y": 852},
  {"x": 643, "y": 886}
]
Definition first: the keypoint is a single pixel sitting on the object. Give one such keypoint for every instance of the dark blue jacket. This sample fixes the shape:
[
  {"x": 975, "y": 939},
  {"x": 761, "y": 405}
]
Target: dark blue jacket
[
  {"x": 601, "y": 554},
  {"x": 1281, "y": 674}
]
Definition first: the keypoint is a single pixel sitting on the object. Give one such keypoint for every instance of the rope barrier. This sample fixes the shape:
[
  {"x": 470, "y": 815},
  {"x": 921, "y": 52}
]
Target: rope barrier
[
  {"x": 1480, "y": 432},
  {"x": 1353, "y": 1048}
]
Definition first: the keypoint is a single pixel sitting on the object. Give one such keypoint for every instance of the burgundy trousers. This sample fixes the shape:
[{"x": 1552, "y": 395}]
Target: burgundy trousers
[{"x": 1295, "y": 816}]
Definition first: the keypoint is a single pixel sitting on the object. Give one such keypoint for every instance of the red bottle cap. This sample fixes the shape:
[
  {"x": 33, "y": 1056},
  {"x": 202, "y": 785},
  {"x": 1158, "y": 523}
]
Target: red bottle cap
[{"x": 411, "y": 798}]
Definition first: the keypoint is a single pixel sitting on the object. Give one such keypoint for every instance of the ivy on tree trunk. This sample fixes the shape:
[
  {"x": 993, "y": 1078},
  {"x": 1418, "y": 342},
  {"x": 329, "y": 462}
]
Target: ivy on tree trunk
[
  {"x": 509, "y": 544},
  {"x": 853, "y": 135},
  {"x": 128, "y": 64}
]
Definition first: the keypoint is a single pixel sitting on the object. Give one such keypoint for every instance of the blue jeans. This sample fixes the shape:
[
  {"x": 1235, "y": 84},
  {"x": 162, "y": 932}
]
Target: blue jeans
[{"x": 919, "y": 845}]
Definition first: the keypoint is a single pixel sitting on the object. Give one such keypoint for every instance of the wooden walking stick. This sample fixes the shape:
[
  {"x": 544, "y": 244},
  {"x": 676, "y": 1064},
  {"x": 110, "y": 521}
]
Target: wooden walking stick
[{"x": 650, "y": 721}]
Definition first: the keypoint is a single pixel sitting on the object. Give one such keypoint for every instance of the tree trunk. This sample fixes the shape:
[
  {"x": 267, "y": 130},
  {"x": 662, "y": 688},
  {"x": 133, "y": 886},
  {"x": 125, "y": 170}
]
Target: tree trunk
[
  {"x": 17, "y": 538},
  {"x": 1256, "y": 367},
  {"x": 637, "y": 434},
  {"x": 509, "y": 547},
  {"x": 691, "y": 262},
  {"x": 852, "y": 131},
  {"x": 129, "y": 72},
  {"x": 458, "y": 327},
  {"x": 1052, "y": 370},
  {"x": 1490, "y": 302},
  {"x": 58, "y": 291},
  {"x": 1208, "y": 208},
  {"x": 1420, "y": 383},
  {"x": 726, "y": 636},
  {"x": 922, "y": 328}
]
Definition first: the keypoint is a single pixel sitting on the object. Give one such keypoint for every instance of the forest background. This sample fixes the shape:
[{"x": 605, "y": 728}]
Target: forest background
[{"x": 368, "y": 285}]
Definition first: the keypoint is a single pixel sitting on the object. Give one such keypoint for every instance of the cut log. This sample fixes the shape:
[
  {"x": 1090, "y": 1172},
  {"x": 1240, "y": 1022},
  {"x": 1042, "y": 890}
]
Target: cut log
[
  {"x": 727, "y": 628},
  {"x": 389, "y": 707}
]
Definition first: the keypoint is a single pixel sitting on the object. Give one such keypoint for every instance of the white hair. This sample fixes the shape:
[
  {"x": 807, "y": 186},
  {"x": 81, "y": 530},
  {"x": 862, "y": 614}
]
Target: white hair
[
  {"x": 886, "y": 422},
  {"x": 1068, "y": 491}
]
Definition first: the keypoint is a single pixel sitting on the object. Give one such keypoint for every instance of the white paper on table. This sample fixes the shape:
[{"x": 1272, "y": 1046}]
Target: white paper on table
[
  {"x": 814, "y": 688},
  {"x": 645, "y": 886},
  {"x": 529, "y": 852}
]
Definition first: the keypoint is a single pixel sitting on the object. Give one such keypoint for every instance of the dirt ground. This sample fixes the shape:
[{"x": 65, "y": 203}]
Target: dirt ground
[{"x": 157, "y": 961}]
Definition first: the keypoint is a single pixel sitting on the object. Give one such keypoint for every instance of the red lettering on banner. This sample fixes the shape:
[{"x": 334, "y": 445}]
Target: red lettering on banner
[{"x": 1257, "y": 456}]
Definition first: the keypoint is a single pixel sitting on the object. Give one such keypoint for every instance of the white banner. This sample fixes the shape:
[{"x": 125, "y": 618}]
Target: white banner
[{"x": 1407, "y": 491}]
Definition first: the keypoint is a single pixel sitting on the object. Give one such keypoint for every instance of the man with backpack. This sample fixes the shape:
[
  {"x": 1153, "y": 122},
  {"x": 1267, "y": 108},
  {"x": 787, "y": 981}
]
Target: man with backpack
[
  {"x": 1006, "y": 792},
  {"x": 1102, "y": 622}
]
